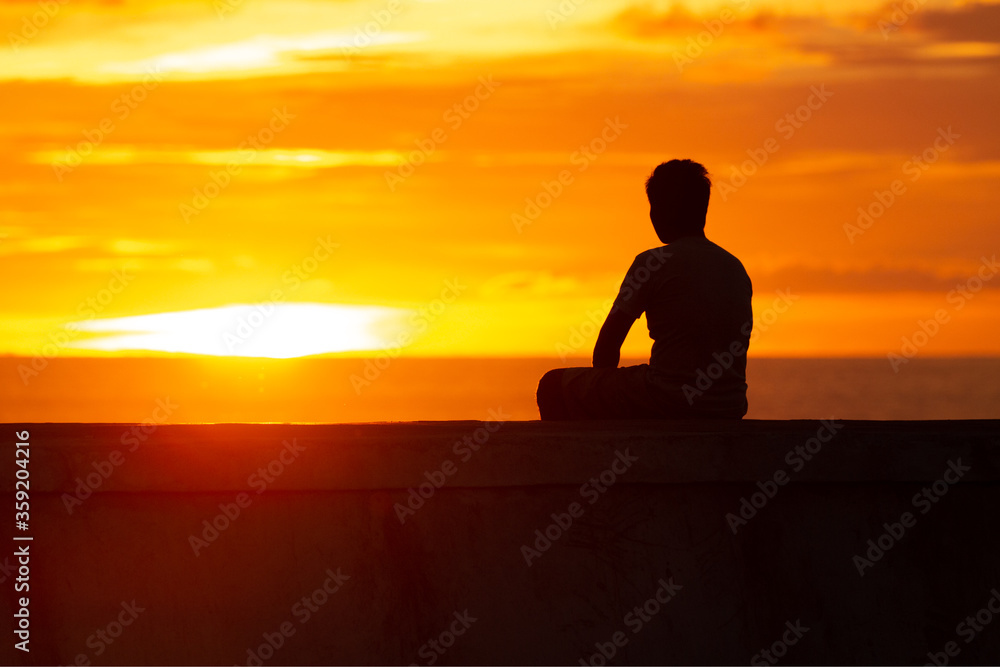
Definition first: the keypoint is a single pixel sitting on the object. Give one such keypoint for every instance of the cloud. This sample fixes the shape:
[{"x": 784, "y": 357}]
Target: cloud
[
  {"x": 969, "y": 23},
  {"x": 258, "y": 55},
  {"x": 311, "y": 158},
  {"x": 879, "y": 279},
  {"x": 820, "y": 40},
  {"x": 528, "y": 284},
  {"x": 645, "y": 22}
]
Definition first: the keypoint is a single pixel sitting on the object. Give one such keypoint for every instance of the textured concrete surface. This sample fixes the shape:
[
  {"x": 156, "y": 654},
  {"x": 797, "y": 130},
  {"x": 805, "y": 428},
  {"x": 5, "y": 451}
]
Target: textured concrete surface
[{"x": 528, "y": 543}]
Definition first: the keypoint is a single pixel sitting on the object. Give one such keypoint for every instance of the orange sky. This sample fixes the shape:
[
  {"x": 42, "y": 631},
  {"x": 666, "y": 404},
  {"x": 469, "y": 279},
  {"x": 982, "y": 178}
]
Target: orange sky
[{"x": 375, "y": 213}]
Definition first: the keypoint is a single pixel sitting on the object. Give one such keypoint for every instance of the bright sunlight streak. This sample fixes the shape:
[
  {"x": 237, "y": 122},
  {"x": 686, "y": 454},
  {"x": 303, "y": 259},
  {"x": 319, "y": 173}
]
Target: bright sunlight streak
[{"x": 278, "y": 331}]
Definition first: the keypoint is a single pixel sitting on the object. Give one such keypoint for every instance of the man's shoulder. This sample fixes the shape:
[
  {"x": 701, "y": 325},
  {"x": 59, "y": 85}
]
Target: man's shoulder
[
  {"x": 653, "y": 257},
  {"x": 713, "y": 249}
]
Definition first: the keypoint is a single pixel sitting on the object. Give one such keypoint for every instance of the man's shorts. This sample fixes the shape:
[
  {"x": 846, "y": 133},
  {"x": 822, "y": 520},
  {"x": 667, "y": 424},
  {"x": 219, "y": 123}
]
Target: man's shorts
[{"x": 626, "y": 393}]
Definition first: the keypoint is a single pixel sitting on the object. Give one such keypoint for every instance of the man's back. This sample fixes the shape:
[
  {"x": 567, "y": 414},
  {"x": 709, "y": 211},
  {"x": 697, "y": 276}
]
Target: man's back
[{"x": 697, "y": 305}]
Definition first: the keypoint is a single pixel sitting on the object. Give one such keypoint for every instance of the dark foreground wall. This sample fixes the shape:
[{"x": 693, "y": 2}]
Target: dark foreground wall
[{"x": 696, "y": 543}]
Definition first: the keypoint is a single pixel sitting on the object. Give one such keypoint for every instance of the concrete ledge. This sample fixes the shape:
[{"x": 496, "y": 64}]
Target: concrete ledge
[
  {"x": 116, "y": 519},
  {"x": 219, "y": 457}
]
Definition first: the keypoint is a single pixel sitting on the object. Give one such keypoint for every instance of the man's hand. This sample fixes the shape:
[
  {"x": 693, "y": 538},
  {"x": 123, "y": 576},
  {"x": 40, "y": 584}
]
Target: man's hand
[{"x": 607, "y": 351}]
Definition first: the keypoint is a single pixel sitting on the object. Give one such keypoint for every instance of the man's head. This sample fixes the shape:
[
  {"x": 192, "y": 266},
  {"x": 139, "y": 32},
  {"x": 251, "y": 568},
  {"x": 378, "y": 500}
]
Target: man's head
[{"x": 678, "y": 194}]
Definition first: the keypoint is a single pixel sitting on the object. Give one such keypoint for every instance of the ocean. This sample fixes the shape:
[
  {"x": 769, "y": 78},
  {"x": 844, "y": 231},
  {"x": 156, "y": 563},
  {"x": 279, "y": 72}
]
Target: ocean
[{"x": 205, "y": 390}]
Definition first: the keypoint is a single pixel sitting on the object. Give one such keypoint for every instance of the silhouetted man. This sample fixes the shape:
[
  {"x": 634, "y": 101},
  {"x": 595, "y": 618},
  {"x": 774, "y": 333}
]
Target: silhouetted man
[{"x": 696, "y": 297}]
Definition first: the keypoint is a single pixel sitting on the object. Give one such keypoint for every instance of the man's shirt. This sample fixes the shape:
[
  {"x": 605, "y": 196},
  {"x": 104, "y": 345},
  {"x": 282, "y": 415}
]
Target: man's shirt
[{"x": 696, "y": 297}]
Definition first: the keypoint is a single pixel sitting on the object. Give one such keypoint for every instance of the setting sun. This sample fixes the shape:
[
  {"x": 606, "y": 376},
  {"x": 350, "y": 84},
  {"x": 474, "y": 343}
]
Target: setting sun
[{"x": 277, "y": 331}]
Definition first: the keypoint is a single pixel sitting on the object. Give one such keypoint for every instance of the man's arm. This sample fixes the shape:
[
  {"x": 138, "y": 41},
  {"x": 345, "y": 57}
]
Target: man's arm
[{"x": 607, "y": 351}]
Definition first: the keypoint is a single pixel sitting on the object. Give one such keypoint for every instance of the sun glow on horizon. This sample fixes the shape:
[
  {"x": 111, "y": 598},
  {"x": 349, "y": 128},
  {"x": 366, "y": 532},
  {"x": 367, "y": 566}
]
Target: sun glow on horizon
[{"x": 276, "y": 331}]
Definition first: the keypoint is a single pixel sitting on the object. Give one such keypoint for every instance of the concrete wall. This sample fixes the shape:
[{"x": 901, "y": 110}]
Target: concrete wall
[{"x": 119, "y": 576}]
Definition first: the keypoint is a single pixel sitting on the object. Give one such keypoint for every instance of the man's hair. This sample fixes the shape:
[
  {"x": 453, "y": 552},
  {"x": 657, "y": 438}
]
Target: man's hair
[{"x": 684, "y": 187}]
